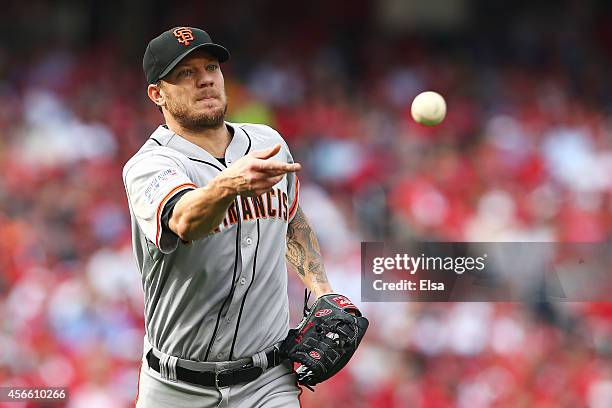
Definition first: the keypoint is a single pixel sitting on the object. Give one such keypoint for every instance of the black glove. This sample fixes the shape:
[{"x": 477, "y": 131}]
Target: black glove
[{"x": 325, "y": 339}]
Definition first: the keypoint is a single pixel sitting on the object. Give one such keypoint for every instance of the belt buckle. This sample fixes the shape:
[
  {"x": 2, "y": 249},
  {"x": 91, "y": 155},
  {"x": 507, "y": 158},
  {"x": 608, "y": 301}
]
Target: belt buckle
[
  {"x": 275, "y": 357},
  {"x": 219, "y": 373}
]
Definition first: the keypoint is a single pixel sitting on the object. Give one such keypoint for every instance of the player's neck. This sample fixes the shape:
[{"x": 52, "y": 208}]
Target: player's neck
[{"x": 214, "y": 141}]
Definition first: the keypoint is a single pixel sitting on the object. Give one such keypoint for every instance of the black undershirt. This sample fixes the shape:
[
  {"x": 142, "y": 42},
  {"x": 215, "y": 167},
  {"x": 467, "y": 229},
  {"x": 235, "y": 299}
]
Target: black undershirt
[{"x": 168, "y": 209}]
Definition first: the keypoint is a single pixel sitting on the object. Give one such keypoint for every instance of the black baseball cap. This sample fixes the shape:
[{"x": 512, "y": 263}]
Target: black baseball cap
[{"x": 165, "y": 51}]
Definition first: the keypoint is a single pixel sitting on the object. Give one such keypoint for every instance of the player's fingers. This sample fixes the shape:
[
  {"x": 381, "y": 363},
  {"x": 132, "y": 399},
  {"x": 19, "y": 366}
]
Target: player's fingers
[
  {"x": 268, "y": 182},
  {"x": 265, "y": 185},
  {"x": 276, "y": 167},
  {"x": 260, "y": 191},
  {"x": 266, "y": 153},
  {"x": 274, "y": 180}
]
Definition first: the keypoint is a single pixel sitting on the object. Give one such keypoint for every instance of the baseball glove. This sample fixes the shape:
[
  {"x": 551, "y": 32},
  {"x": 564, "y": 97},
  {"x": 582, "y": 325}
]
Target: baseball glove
[{"x": 325, "y": 339}]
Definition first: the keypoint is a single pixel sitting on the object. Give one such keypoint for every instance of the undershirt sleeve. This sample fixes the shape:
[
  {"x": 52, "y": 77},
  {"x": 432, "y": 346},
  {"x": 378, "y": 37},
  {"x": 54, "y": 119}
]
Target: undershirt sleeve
[{"x": 167, "y": 212}]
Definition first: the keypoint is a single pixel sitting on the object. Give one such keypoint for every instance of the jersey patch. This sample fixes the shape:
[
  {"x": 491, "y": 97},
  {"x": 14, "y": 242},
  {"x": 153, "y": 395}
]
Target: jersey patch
[{"x": 158, "y": 183}]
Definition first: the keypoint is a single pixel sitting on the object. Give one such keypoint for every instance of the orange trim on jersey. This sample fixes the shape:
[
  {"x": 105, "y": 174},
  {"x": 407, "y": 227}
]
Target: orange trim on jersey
[
  {"x": 138, "y": 385},
  {"x": 295, "y": 200},
  {"x": 163, "y": 203}
]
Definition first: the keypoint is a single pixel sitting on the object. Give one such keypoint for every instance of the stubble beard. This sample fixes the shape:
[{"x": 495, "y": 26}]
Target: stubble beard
[{"x": 213, "y": 119}]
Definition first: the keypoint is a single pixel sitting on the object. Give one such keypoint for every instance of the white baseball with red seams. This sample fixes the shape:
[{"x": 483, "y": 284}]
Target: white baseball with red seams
[{"x": 428, "y": 108}]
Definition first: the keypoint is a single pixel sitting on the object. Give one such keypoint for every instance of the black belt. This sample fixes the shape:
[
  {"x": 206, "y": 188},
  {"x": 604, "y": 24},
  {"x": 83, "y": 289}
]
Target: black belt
[{"x": 222, "y": 378}]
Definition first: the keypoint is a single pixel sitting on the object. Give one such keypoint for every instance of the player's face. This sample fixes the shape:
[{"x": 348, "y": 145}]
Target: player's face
[{"x": 194, "y": 92}]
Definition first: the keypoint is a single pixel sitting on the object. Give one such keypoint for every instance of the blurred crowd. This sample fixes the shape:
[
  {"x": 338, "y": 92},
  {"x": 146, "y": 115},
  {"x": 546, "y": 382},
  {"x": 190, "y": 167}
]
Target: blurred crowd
[{"x": 525, "y": 154}]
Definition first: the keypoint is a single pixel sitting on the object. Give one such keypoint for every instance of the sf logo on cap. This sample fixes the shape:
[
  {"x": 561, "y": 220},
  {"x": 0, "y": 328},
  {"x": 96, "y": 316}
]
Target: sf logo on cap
[{"x": 184, "y": 35}]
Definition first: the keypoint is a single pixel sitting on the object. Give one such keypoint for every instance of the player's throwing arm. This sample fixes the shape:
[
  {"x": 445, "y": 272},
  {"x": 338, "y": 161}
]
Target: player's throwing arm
[{"x": 199, "y": 211}]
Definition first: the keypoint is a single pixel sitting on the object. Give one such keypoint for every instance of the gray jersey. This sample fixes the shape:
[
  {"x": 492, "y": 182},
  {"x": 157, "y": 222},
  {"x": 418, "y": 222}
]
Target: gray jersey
[{"x": 223, "y": 296}]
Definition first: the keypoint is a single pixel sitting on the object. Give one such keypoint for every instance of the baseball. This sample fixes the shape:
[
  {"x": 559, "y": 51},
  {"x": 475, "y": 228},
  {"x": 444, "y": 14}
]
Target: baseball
[{"x": 428, "y": 108}]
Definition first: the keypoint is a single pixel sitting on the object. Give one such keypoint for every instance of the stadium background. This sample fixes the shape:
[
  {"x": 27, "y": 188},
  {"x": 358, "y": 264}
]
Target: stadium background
[{"x": 525, "y": 154}]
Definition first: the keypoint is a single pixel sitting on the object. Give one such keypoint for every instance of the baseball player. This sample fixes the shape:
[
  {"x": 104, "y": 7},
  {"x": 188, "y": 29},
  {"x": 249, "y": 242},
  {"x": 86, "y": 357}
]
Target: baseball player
[{"x": 214, "y": 213}]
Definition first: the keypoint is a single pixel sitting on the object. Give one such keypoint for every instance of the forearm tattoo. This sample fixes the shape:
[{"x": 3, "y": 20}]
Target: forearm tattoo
[{"x": 303, "y": 252}]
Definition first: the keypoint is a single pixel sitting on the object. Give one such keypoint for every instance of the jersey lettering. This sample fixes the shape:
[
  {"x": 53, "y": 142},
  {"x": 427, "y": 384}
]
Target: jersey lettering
[
  {"x": 253, "y": 208},
  {"x": 258, "y": 206},
  {"x": 271, "y": 211},
  {"x": 232, "y": 214},
  {"x": 247, "y": 212},
  {"x": 285, "y": 206},
  {"x": 280, "y": 200}
]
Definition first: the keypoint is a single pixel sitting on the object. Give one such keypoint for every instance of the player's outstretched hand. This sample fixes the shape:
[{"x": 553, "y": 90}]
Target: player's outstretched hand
[{"x": 256, "y": 173}]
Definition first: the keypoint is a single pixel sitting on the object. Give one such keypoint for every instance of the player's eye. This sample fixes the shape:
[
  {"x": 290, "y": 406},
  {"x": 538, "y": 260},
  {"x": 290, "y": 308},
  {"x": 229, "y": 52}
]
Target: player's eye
[
  {"x": 184, "y": 73},
  {"x": 212, "y": 67}
]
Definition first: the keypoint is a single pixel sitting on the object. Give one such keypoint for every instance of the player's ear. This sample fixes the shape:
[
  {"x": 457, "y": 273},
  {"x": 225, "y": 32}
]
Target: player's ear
[{"x": 155, "y": 94}]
